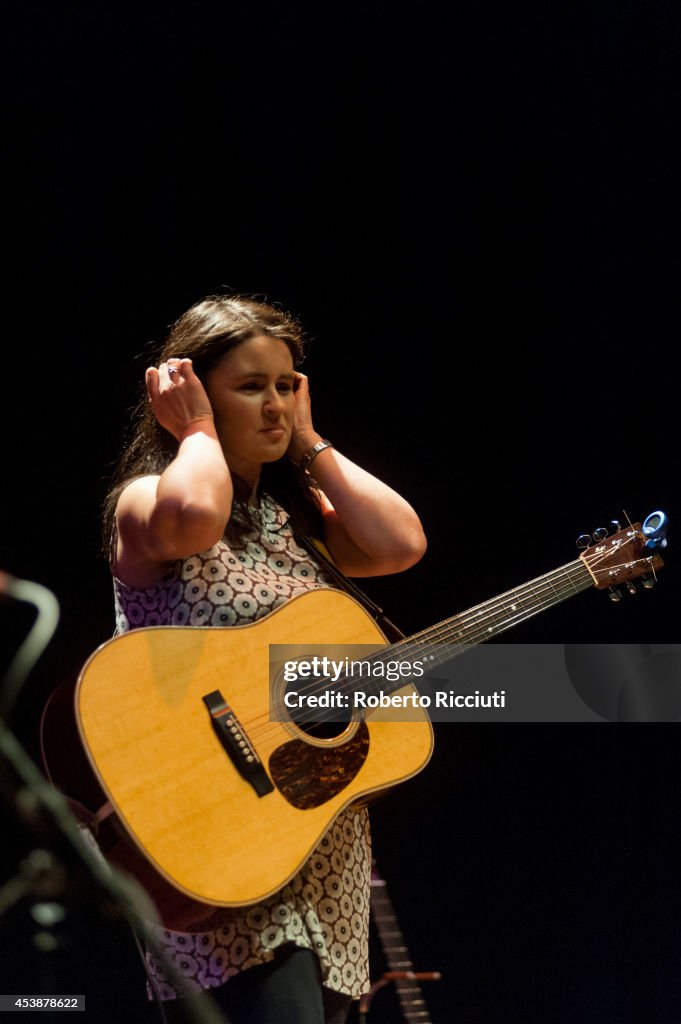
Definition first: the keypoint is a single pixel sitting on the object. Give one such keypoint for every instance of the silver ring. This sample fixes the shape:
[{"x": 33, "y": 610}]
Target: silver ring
[{"x": 172, "y": 370}]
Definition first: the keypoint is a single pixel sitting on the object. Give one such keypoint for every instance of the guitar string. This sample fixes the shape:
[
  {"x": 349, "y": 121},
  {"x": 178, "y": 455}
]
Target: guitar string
[
  {"x": 578, "y": 568},
  {"x": 576, "y": 575},
  {"x": 444, "y": 634},
  {"x": 573, "y": 573},
  {"x": 397, "y": 955},
  {"x": 446, "y": 630}
]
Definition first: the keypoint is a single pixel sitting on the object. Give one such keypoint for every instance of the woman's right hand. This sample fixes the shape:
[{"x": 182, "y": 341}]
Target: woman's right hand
[{"x": 177, "y": 396}]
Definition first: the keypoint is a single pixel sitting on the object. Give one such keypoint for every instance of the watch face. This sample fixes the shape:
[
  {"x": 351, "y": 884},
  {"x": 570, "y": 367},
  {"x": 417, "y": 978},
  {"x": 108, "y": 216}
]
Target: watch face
[{"x": 314, "y": 450}]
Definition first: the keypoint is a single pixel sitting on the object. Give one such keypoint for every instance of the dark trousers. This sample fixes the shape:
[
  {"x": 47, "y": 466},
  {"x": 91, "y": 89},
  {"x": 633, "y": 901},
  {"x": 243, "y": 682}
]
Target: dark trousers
[{"x": 288, "y": 990}]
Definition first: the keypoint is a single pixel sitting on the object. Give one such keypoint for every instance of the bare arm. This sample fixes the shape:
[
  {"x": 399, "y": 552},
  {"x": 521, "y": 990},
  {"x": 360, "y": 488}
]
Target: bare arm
[
  {"x": 369, "y": 529},
  {"x": 186, "y": 508}
]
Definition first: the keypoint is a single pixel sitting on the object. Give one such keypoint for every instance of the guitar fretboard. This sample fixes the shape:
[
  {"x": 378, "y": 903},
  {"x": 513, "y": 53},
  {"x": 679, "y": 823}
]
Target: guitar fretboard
[
  {"x": 412, "y": 1003},
  {"x": 442, "y": 642}
]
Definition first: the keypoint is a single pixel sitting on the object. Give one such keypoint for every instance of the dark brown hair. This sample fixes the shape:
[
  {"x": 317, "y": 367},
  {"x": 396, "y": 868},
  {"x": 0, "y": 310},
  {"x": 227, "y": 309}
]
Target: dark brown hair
[{"x": 205, "y": 333}]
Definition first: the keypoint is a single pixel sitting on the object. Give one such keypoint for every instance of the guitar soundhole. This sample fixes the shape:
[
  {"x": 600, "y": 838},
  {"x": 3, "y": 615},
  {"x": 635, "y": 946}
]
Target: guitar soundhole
[
  {"x": 326, "y": 720},
  {"x": 322, "y": 730},
  {"x": 307, "y": 775}
]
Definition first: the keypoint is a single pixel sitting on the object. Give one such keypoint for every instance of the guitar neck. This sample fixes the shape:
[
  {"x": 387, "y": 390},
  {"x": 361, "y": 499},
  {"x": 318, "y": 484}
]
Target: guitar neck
[
  {"x": 444, "y": 641},
  {"x": 412, "y": 1003}
]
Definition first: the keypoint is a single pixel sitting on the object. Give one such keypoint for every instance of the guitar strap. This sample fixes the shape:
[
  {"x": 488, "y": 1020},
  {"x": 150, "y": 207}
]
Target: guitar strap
[{"x": 320, "y": 552}]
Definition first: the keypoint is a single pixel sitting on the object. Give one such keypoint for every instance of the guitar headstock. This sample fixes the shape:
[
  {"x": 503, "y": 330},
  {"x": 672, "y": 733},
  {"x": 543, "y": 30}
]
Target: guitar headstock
[{"x": 627, "y": 554}]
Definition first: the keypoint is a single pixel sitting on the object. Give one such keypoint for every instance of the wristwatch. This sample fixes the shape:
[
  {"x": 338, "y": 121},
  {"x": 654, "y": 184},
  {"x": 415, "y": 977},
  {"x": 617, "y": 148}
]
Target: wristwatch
[{"x": 312, "y": 453}]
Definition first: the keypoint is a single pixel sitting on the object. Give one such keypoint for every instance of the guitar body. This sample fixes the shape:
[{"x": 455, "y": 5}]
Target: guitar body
[{"x": 186, "y": 820}]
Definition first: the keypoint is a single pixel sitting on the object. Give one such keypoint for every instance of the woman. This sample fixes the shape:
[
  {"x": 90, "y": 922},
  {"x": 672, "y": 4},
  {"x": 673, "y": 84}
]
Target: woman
[{"x": 225, "y": 470}]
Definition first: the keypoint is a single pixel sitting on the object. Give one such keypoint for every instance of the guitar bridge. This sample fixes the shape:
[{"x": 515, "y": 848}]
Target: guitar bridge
[{"x": 236, "y": 743}]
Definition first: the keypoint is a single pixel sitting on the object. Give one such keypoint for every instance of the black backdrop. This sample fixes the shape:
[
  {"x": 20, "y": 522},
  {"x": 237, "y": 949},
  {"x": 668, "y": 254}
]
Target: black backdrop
[{"x": 475, "y": 212}]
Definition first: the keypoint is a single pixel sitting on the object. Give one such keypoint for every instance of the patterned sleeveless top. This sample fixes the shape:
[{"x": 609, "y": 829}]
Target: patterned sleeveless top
[{"x": 325, "y": 908}]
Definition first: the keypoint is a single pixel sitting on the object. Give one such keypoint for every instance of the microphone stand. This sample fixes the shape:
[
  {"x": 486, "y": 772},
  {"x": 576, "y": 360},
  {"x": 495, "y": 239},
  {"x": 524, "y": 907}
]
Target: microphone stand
[{"x": 40, "y": 805}]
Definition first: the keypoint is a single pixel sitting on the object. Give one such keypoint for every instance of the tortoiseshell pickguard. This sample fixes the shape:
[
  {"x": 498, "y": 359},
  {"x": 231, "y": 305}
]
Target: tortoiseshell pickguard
[{"x": 307, "y": 776}]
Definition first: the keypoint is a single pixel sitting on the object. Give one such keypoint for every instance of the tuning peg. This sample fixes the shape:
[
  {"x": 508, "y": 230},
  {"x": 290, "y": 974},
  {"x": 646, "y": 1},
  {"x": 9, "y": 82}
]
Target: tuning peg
[
  {"x": 600, "y": 534},
  {"x": 647, "y": 582},
  {"x": 631, "y": 586},
  {"x": 615, "y": 594},
  {"x": 616, "y": 525},
  {"x": 583, "y": 541}
]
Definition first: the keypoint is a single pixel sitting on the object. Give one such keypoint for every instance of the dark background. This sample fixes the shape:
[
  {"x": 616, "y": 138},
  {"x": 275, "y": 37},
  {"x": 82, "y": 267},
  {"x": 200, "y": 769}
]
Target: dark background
[{"x": 474, "y": 210}]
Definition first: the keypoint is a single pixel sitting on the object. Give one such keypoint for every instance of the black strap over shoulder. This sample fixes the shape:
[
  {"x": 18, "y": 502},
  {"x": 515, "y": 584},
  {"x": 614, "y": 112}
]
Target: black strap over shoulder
[{"x": 392, "y": 632}]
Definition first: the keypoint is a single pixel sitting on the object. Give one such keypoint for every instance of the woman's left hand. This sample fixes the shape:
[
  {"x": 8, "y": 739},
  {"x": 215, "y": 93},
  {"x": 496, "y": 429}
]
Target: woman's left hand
[{"x": 304, "y": 434}]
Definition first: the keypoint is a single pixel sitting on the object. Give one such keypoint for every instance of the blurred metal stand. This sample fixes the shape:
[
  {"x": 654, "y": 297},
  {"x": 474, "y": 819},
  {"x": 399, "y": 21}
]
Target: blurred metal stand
[{"x": 64, "y": 862}]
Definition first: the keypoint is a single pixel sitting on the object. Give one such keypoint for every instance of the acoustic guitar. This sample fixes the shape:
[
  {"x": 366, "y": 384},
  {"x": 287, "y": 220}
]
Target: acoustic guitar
[{"x": 209, "y": 803}]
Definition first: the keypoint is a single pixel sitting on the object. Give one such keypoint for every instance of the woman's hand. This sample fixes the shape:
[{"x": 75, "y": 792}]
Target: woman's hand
[
  {"x": 304, "y": 434},
  {"x": 177, "y": 396},
  {"x": 173, "y": 514}
]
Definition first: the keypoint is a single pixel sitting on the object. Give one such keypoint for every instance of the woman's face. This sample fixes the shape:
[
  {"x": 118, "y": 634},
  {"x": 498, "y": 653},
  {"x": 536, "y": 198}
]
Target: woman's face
[{"x": 251, "y": 390}]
